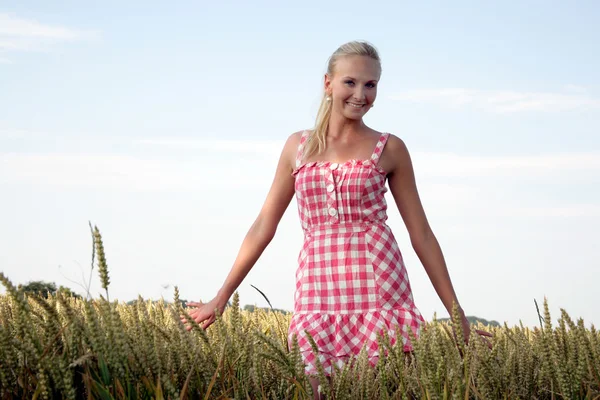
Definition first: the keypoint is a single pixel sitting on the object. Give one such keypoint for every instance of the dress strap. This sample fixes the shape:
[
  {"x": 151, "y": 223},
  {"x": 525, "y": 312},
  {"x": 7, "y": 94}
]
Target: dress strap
[
  {"x": 379, "y": 148},
  {"x": 300, "y": 152}
]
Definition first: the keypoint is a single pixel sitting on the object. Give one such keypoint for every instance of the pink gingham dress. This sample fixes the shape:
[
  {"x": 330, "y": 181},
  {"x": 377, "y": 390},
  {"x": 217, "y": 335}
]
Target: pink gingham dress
[{"x": 351, "y": 282}]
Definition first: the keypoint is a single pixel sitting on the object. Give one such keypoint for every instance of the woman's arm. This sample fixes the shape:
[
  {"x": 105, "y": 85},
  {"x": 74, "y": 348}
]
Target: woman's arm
[
  {"x": 403, "y": 187},
  {"x": 259, "y": 235},
  {"x": 264, "y": 227}
]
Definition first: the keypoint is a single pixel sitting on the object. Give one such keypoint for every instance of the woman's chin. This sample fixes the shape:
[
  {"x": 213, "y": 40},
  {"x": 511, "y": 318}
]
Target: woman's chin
[{"x": 354, "y": 115}]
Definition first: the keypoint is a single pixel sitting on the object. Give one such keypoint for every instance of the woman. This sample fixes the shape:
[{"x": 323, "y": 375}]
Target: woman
[{"x": 351, "y": 282}]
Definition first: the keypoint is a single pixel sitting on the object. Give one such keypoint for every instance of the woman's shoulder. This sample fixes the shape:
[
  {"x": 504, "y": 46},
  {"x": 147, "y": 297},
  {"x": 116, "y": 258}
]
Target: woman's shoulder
[
  {"x": 291, "y": 146},
  {"x": 298, "y": 134},
  {"x": 295, "y": 138},
  {"x": 395, "y": 143},
  {"x": 395, "y": 154}
]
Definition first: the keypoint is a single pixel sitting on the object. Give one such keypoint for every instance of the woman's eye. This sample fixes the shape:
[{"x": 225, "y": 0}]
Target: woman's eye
[{"x": 351, "y": 83}]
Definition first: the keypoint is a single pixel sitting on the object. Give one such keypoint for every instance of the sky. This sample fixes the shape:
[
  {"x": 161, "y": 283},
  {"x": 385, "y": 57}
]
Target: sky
[{"x": 162, "y": 123}]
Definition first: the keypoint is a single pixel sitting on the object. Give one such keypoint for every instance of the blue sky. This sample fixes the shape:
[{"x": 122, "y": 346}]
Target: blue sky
[{"x": 162, "y": 124}]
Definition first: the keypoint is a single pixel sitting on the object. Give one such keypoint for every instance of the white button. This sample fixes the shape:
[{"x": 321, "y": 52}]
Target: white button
[
  {"x": 333, "y": 166},
  {"x": 330, "y": 187},
  {"x": 332, "y": 212}
]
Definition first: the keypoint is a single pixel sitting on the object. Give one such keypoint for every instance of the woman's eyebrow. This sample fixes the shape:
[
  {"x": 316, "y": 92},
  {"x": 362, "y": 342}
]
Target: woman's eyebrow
[{"x": 349, "y": 77}]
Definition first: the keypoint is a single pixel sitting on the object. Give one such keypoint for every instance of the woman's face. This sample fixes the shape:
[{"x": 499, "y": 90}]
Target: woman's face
[{"x": 353, "y": 86}]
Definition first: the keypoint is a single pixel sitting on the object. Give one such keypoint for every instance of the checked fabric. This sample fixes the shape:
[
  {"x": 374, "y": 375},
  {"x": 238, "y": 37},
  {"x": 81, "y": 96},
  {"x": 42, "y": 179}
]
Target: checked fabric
[{"x": 351, "y": 282}]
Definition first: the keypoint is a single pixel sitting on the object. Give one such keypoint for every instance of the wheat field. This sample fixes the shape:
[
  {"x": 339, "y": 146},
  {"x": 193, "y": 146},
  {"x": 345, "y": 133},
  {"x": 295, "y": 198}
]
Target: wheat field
[{"x": 67, "y": 347}]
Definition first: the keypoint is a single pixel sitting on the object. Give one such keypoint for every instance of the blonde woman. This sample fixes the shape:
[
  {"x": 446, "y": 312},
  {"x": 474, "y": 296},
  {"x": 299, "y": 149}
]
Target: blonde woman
[{"x": 351, "y": 282}]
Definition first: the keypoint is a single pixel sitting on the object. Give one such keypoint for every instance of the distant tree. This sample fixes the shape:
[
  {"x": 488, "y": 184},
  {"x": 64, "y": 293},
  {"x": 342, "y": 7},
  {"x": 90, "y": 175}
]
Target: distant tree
[
  {"x": 251, "y": 308},
  {"x": 154, "y": 301},
  {"x": 474, "y": 320},
  {"x": 46, "y": 288},
  {"x": 40, "y": 287}
]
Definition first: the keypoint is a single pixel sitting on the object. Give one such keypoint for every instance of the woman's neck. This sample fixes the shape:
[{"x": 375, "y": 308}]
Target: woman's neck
[{"x": 342, "y": 128}]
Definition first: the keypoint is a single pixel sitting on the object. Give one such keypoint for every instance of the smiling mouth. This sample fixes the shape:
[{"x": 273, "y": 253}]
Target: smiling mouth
[{"x": 356, "y": 105}]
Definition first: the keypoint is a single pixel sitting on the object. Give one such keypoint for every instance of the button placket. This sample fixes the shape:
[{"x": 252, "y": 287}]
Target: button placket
[{"x": 332, "y": 208}]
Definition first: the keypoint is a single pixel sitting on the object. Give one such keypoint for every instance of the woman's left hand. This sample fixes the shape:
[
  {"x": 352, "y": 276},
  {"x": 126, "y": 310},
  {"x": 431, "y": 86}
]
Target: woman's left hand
[{"x": 466, "y": 325}]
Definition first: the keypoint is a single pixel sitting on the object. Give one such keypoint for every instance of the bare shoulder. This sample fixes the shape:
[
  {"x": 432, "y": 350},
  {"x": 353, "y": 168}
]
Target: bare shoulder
[
  {"x": 290, "y": 149},
  {"x": 293, "y": 141},
  {"x": 395, "y": 155},
  {"x": 396, "y": 145},
  {"x": 294, "y": 138}
]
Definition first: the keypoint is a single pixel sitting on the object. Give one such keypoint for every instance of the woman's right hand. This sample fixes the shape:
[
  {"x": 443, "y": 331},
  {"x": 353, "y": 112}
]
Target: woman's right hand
[{"x": 204, "y": 313}]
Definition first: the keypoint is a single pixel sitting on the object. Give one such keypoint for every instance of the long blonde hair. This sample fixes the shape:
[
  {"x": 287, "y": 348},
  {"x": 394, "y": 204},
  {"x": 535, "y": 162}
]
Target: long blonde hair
[{"x": 317, "y": 140}]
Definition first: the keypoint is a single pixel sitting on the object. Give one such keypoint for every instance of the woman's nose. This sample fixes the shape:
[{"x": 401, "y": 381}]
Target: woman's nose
[{"x": 359, "y": 94}]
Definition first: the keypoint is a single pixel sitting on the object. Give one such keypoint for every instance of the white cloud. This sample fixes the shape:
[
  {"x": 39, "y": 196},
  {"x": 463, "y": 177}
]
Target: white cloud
[
  {"x": 121, "y": 172},
  {"x": 448, "y": 194},
  {"x": 7, "y": 45},
  {"x": 454, "y": 165},
  {"x": 171, "y": 171},
  {"x": 25, "y": 35},
  {"x": 272, "y": 147},
  {"x": 576, "y": 88},
  {"x": 12, "y": 133},
  {"x": 580, "y": 210},
  {"x": 14, "y": 26},
  {"x": 503, "y": 101}
]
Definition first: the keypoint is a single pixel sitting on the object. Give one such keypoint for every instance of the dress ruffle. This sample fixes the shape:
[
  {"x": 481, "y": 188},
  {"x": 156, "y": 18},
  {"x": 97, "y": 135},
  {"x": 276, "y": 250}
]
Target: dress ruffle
[{"x": 340, "y": 336}]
